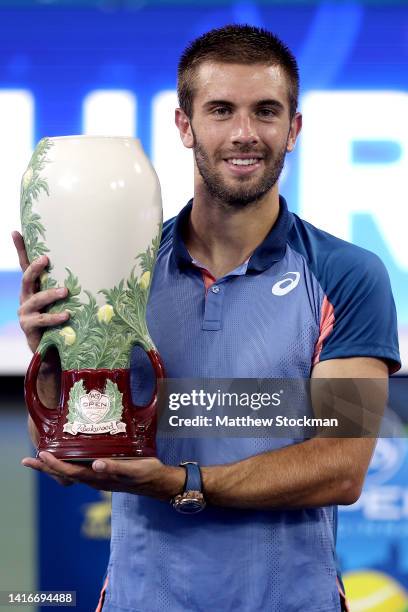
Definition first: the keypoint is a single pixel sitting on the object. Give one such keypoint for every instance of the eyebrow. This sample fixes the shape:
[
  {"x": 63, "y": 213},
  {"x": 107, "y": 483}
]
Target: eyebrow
[
  {"x": 211, "y": 103},
  {"x": 267, "y": 102},
  {"x": 271, "y": 102}
]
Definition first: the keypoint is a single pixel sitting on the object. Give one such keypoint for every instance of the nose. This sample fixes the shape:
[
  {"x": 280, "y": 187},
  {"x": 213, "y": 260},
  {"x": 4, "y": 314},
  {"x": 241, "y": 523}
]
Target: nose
[{"x": 243, "y": 130}]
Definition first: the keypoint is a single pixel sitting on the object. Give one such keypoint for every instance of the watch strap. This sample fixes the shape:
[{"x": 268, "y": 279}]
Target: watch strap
[{"x": 193, "y": 476}]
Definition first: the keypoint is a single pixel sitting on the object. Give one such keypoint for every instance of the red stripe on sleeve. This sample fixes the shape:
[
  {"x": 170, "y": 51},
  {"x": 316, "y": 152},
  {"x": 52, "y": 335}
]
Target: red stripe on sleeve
[{"x": 326, "y": 327}]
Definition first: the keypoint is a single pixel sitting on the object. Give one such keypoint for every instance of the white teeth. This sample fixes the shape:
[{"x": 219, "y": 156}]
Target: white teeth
[{"x": 243, "y": 162}]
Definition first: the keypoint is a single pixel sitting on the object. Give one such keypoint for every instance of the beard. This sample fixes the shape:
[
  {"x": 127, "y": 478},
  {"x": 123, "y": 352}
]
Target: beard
[{"x": 249, "y": 190}]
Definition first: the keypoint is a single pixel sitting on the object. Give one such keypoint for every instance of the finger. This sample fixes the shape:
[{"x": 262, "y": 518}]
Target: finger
[
  {"x": 66, "y": 469},
  {"x": 36, "y": 464},
  {"x": 88, "y": 477},
  {"x": 115, "y": 468},
  {"x": 30, "y": 323},
  {"x": 31, "y": 276},
  {"x": 128, "y": 468},
  {"x": 41, "y": 299},
  {"x": 39, "y": 466},
  {"x": 21, "y": 250}
]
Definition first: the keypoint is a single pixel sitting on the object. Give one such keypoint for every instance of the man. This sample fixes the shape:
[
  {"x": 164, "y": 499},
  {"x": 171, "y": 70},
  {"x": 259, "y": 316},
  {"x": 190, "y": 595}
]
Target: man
[{"x": 221, "y": 305}]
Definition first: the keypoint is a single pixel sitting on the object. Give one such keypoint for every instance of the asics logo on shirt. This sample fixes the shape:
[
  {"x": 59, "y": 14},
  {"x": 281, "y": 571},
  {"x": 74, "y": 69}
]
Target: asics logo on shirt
[{"x": 285, "y": 285}]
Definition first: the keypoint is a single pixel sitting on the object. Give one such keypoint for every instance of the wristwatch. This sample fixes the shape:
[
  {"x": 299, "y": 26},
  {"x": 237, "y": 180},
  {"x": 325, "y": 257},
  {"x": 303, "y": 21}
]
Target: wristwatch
[{"x": 192, "y": 499}]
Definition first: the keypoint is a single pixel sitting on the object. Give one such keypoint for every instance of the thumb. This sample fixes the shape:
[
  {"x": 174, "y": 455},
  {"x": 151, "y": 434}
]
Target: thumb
[
  {"x": 113, "y": 467},
  {"x": 126, "y": 467}
]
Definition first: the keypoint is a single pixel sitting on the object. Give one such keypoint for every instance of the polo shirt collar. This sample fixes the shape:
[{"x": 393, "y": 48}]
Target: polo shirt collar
[
  {"x": 180, "y": 253},
  {"x": 272, "y": 249}
]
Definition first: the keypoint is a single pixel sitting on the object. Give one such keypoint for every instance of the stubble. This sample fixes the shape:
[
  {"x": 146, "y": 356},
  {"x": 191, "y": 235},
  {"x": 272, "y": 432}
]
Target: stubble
[{"x": 248, "y": 191}]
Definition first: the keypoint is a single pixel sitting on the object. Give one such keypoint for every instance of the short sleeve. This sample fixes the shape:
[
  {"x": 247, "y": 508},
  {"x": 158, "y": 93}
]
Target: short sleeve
[{"x": 358, "y": 316}]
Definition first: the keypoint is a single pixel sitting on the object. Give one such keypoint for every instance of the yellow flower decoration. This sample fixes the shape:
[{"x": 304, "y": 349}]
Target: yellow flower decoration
[
  {"x": 28, "y": 175},
  {"x": 68, "y": 334},
  {"x": 105, "y": 313},
  {"x": 145, "y": 280}
]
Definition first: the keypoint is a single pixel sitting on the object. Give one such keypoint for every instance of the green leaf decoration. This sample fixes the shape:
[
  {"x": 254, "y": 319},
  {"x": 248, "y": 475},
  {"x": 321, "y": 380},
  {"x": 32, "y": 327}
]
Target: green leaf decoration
[
  {"x": 103, "y": 337},
  {"x": 148, "y": 259},
  {"x": 116, "y": 406},
  {"x": 32, "y": 185},
  {"x": 71, "y": 302},
  {"x": 47, "y": 282},
  {"x": 76, "y": 392},
  {"x": 71, "y": 283}
]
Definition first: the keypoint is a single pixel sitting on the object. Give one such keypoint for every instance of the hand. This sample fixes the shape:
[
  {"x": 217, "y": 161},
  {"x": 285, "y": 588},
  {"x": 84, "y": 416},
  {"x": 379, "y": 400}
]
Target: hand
[
  {"x": 32, "y": 302},
  {"x": 147, "y": 476}
]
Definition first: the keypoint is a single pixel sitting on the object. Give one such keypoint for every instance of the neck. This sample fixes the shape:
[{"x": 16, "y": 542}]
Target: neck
[{"x": 222, "y": 237}]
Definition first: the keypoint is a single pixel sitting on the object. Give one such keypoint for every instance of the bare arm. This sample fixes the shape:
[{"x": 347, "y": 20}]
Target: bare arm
[
  {"x": 33, "y": 321},
  {"x": 318, "y": 472}
]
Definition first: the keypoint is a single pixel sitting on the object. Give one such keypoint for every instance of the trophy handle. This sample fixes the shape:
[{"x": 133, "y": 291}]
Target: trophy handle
[
  {"x": 158, "y": 367},
  {"x": 44, "y": 418}
]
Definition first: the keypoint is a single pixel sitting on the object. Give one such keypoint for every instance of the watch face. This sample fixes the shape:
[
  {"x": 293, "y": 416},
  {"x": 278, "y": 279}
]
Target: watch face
[
  {"x": 189, "y": 502},
  {"x": 190, "y": 506}
]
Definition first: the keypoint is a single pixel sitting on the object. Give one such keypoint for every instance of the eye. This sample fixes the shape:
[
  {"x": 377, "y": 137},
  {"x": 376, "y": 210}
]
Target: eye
[
  {"x": 267, "y": 113},
  {"x": 221, "y": 112}
]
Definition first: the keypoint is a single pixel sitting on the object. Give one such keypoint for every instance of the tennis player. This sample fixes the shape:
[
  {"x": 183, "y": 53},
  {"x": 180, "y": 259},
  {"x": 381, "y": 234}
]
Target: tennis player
[{"x": 242, "y": 288}]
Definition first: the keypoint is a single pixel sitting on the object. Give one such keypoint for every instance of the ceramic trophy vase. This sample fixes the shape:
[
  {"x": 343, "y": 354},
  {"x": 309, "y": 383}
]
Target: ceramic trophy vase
[{"x": 93, "y": 206}]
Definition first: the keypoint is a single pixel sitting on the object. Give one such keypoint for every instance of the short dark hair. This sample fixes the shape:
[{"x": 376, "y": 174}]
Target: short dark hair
[{"x": 235, "y": 44}]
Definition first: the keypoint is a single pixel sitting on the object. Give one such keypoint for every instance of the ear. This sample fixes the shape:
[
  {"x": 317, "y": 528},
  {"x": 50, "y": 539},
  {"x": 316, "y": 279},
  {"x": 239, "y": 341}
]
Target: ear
[
  {"x": 295, "y": 127},
  {"x": 184, "y": 127}
]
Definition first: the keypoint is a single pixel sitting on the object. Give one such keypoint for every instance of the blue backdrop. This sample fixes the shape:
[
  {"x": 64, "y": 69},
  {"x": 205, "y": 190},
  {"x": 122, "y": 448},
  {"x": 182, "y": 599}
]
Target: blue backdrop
[{"x": 58, "y": 57}]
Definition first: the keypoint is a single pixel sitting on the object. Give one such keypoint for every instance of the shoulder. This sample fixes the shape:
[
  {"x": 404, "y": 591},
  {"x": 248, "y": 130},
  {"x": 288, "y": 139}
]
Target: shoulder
[
  {"x": 332, "y": 260},
  {"x": 357, "y": 317}
]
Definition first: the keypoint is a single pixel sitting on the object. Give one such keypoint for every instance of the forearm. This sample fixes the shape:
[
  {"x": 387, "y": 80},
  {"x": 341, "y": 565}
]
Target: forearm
[{"x": 317, "y": 472}]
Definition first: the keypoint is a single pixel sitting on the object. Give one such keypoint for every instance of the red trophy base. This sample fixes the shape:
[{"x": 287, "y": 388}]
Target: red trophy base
[{"x": 82, "y": 427}]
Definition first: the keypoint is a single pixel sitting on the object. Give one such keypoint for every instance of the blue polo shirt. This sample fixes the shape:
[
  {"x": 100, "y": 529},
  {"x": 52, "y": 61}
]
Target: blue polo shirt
[{"x": 302, "y": 297}]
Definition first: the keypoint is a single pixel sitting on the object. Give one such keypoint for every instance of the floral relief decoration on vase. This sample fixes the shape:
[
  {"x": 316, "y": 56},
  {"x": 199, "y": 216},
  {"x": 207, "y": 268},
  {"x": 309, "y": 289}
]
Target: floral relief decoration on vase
[{"x": 96, "y": 336}]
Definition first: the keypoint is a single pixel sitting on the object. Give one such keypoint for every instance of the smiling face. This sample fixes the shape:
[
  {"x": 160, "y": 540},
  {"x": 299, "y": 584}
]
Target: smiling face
[{"x": 240, "y": 130}]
